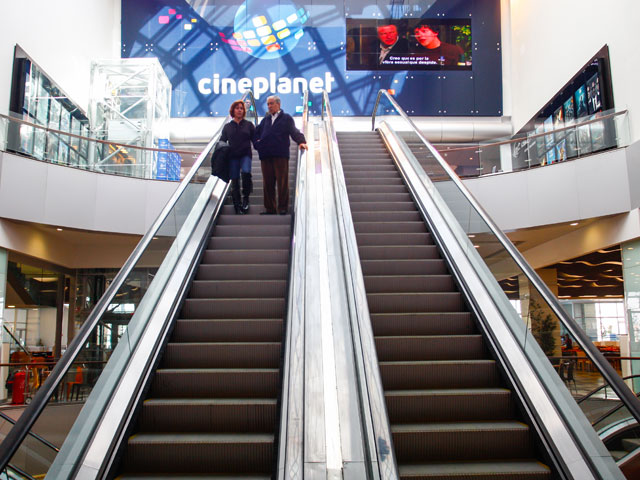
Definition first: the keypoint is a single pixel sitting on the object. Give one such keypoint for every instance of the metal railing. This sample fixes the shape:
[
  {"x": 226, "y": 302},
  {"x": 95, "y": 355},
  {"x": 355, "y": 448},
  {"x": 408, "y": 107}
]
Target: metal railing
[{"x": 161, "y": 241}]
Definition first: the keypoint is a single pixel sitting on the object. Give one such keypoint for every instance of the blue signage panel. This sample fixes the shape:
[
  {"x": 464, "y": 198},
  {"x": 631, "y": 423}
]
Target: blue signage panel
[{"x": 438, "y": 57}]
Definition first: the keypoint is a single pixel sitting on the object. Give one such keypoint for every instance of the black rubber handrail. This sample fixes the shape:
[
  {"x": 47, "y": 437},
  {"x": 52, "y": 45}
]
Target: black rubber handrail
[
  {"x": 607, "y": 371},
  {"x": 16, "y": 340},
  {"x": 14, "y": 438}
]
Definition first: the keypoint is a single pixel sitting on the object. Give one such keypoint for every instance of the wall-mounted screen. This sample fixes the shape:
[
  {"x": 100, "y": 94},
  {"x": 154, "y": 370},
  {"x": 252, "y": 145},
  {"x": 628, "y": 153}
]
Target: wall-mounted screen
[
  {"x": 215, "y": 50},
  {"x": 427, "y": 44},
  {"x": 581, "y": 101},
  {"x": 594, "y": 101}
]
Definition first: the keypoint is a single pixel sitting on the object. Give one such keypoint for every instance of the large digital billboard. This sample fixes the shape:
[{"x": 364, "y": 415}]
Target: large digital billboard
[{"x": 439, "y": 57}]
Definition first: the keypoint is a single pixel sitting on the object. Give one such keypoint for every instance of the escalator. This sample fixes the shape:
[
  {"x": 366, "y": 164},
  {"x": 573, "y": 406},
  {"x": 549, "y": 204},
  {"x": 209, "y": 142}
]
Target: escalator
[
  {"x": 212, "y": 406},
  {"x": 452, "y": 412}
]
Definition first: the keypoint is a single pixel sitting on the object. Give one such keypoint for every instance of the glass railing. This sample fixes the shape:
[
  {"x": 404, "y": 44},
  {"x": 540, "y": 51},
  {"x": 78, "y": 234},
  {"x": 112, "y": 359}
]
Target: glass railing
[
  {"x": 133, "y": 297},
  {"x": 75, "y": 148},
  {"x": 540, "y": 147},
  {"x": 531, "y": 300}
]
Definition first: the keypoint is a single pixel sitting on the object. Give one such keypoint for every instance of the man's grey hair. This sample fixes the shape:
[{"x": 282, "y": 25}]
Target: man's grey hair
[{"x": 275, "y": 98}]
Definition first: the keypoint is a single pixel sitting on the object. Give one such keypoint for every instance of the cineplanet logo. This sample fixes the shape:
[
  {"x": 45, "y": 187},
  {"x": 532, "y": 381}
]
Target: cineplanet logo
[{"x": 261, "y": 85}]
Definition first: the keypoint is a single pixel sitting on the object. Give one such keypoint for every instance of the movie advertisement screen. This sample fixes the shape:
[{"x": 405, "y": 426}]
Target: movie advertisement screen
[
  {"x": 569, "y": 111},
  {"x": 548, "y": 127},
  {"x": 558, "y": 122},
  {"x": 408, "y": 45},
  {"x": 581, "y": 101},
  {"x": 594, "y": 102}
]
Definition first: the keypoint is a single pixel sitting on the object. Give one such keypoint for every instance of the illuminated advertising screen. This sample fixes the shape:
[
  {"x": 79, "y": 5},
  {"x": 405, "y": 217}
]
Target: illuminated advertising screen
[{"x": 214, "y": 50}]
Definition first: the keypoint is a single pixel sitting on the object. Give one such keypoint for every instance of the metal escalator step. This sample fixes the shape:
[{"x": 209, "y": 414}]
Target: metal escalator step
[
  {"x": 224, "y": 330},
  {"x": 228, "y": 415},
  {"x": 365, "y": 169},
  {"x": 215, "y": 382},
  {"x": 415, "y": 302},
  {"x": 233, "y": 256},
  {"x": 399, "y": 252},
  {"x": 390, "y": 227},
  {"x": 404, "y": 267},
  {"x": 259, "y": 220},
  {"x": 431, "y": 347},
  {"x": 383, "y": 206},
  {"x": 389, "y": 172},
  {"x": 248, "y": 243},
  {"x": 252, "y": 230},
  {"x": 457, "y": 441},
  {"x": 275, "y": 271},
  {"x": 439, "y": 374},
  {"x": 377, "y": 181},
  {"x": 374, "y": 193},
  {"x": 238, "y": 288},
  {"x": 487, "y": 470},
  {"x": 442, "y": 323},
  {"x": 222, "y": 355},
  {"x": 447, "y": 405},
  {"x": 409, "y": 283},
  {"x": 386, "y": 216},
  {"x": 232, "y": 308},
  {"x": 370, "y": 239},
  {"x": 200, "y": 453}
]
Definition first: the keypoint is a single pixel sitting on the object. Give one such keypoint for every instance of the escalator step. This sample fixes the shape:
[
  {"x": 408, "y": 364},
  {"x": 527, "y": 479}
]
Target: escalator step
[
  {"x": 386, "y": 216},
  {"x": 376, "y": 181},
  {"x": 253, "y": 230},
  {"x": 232, "y": 308},
  {"x": 366, "y": 193},
  {"x": 261, "y": 220},
  {"x": 399, "y": 252},
  {"x": 441, "y": 323},
  {"x": 369, "y": 239},
  {"x": 215, "y": 382},
  {"x": 200, "y": 453},
  {"x": 439, "y": 374},
  {"x": 463, "y": 404},
  {"x": 248, "y": 243},
  {"x": 238, "y": 289},
  {"x": 432, "y": 347},
  {"x": 233, "y": 256},
  {"x": 383, "y": 206},
  {"x": 404, "y": 267},
  {"x": 276, "y": 271},
  {"x": 488, "y": 470},
  {"x": 457, "y": 441},
  {"x": 415, "y": 302},
  {"x": 225, "y": 330},
  {"x": 222, "y": 355},
  {"x": 228, "y": 415},
  {"x": 409, "y": 283},
  {"x": 390, "y": 227}
]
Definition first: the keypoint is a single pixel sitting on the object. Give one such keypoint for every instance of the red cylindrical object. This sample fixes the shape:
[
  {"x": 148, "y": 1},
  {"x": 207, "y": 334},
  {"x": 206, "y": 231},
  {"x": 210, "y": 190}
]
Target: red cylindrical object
[{"x": 17, "y": 393}]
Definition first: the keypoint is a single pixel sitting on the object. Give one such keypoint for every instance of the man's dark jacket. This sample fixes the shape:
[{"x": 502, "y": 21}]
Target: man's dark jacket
[{"x": 273, "y": 140}]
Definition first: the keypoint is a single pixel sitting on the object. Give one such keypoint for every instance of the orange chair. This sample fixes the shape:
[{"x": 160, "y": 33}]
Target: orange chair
[{"x": 75, "y": 385}]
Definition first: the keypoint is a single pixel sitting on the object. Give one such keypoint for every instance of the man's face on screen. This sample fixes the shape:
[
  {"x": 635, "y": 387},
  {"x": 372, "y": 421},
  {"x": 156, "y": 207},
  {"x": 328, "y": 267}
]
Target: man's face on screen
[
  {"x": 425, "y": 36},
  {"x": 388, "y": 34}
]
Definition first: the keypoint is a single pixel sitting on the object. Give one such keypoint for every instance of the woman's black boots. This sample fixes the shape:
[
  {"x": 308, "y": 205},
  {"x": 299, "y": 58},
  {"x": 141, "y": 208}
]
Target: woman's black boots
[
  {"x": 247, "y": 188},
  {"x": 235, "y": 195}
]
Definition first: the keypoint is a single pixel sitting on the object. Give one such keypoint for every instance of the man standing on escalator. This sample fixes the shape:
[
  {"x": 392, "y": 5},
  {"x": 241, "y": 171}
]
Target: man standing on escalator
[{"x": 272, "y": 143}]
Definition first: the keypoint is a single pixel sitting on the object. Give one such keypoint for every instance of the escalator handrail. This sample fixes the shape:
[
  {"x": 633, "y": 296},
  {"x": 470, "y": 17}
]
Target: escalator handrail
[
  {"x": 16, "y": 435},
  {"x": 611, "y": 376},
  {"x": 587, "y": 395},
  {"x": 22, "y": 347},
  {"x": 376, "y": 427}
]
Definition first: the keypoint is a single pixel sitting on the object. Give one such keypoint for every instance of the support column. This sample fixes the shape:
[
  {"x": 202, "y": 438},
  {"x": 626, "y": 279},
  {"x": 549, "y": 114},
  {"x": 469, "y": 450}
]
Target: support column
[
  {"x": 59, "y": 315},
  {"x": 631, "y": 275}
]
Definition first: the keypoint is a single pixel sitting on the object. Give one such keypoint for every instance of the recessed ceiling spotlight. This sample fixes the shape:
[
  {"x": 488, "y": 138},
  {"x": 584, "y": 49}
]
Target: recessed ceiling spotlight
[
  {"x": 573, "y": 224},
  {"x": 59, "y": 229}
]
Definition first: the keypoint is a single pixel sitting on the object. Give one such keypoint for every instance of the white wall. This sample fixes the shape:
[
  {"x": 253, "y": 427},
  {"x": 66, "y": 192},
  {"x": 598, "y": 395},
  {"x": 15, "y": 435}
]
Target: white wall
[
  {"x": 553, "y": 39},
  {"x": 62, "y": 37}
]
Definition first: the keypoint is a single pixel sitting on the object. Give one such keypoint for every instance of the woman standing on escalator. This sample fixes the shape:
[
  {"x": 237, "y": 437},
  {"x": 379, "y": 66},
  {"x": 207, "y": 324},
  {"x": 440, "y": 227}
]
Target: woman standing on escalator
[{"x": 239, "y": 133}]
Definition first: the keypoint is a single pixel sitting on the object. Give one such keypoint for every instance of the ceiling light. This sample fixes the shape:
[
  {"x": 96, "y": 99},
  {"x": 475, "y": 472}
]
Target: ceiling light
[
  {"x": 472, "y": 236},
  {"x": 573, "y": 224},
  {"x": 476, "y": 246},
  {"x": 59, "y": 229},
  {"x": 11, "y": 306}
]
